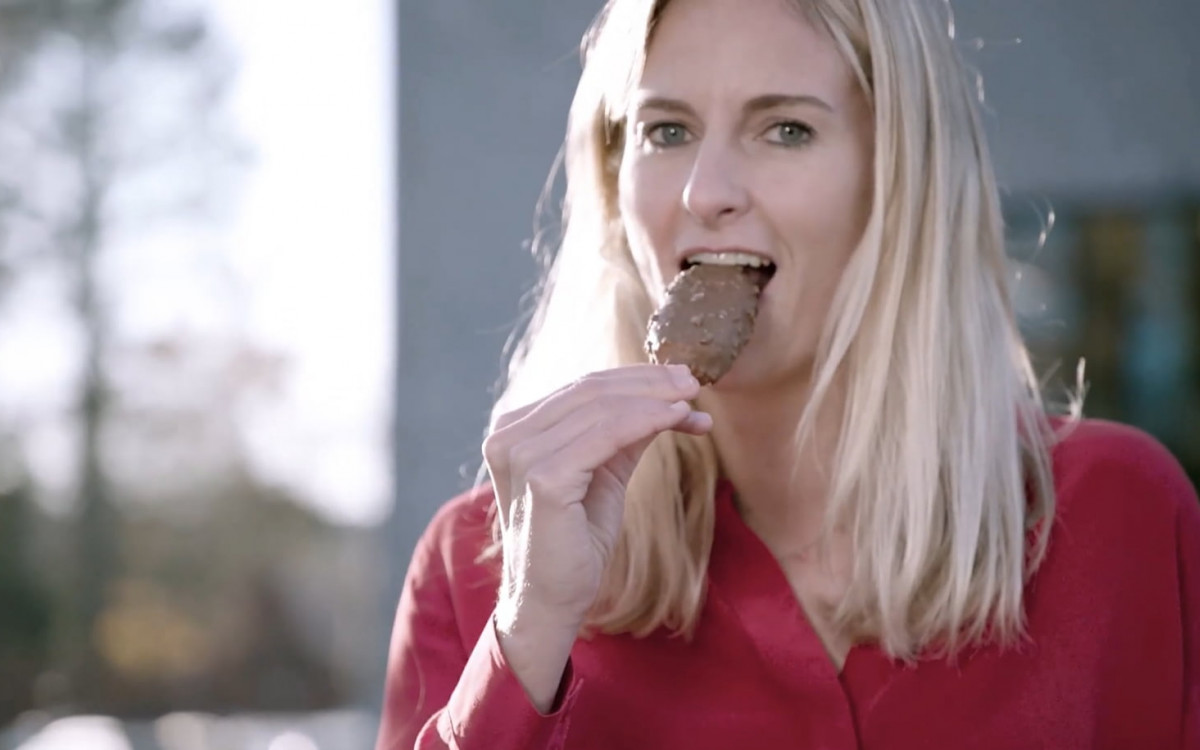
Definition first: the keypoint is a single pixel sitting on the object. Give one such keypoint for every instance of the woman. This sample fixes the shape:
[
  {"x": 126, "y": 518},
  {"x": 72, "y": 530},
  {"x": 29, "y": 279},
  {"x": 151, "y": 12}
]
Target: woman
[{"x": 867, "y": 534}]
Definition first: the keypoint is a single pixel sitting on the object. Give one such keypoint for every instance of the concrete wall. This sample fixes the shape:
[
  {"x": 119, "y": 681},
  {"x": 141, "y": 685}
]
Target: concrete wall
[
  {"x": 484, "y": 93},
  {"x": 1100, "y": 98}
]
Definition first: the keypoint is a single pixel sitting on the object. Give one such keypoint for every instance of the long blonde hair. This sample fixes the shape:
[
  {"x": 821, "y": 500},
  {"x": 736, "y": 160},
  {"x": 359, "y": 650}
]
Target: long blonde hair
[{"x": 942, "y": 473}]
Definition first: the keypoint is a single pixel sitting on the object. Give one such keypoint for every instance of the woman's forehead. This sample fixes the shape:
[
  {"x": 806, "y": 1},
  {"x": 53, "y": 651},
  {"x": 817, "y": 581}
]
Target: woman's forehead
[{"x": 742, "y": 47}]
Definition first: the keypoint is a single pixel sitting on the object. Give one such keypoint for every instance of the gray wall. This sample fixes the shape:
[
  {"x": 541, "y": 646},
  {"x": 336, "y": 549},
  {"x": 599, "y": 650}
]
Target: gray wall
[
  {"x": 484, "y": 93},
  {"x": 484, "y": 89},
  {"x": 1101, "y": 98}
]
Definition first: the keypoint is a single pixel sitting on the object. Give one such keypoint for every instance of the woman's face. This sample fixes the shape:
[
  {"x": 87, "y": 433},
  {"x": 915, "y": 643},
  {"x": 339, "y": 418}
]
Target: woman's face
[{"x": 748, "y": 131}]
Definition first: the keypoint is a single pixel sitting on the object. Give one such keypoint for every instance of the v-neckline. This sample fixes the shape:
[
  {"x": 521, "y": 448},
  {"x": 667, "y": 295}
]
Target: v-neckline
[{"x": 745, "y": 575}]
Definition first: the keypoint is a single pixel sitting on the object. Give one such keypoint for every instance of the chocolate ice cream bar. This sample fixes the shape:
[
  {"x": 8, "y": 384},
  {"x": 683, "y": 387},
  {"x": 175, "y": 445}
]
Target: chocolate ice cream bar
[{"x": 706, "y": 319}]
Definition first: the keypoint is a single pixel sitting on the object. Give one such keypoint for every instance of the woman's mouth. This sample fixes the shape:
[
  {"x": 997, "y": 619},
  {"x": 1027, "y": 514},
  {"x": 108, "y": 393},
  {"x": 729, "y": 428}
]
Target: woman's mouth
[{"x": 759, "y": 267}]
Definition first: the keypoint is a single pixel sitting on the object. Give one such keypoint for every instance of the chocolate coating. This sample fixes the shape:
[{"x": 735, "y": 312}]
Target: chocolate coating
[{"x": 706, "y": 319}]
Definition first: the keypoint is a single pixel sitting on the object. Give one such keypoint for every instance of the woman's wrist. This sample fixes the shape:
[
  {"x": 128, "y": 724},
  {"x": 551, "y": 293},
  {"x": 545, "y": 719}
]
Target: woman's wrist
[{"x": 537, "y": 646}]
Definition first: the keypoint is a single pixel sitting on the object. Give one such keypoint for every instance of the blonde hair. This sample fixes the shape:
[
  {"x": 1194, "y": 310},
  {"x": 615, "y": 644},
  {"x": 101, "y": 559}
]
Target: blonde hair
[{"x": 942, "y": 473}]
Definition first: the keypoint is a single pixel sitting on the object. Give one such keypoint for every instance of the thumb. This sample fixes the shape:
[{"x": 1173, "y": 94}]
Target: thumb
[
  {"x": 604, "y": 508},
  {"x": 626, "y": 460}
]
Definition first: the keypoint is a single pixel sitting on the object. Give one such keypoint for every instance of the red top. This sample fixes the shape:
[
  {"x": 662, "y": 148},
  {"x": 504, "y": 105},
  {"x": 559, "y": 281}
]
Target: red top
[{"x": 1113, "y": 659}]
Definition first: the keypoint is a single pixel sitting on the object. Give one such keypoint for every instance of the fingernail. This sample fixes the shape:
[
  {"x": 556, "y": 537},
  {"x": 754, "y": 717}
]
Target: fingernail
[{"x": 702, "y": 420}]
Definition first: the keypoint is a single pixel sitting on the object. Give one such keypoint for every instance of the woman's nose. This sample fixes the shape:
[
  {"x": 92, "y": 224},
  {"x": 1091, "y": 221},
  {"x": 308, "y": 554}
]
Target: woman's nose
[{"x": 715, "y": 191}]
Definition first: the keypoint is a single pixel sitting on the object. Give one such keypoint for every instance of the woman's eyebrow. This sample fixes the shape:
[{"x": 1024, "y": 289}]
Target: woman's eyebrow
[
  {"x": 771, "y": 101},
  {"x": 665, "y": 104},
  {"x": 757, "y": 104}
]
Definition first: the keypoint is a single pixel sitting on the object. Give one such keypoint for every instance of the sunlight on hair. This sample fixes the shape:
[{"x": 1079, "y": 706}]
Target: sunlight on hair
[
  {"x": 1077, "y": 397},
  {"x": 1047, "y": 228},
  {"x": 78, "y": 732}
]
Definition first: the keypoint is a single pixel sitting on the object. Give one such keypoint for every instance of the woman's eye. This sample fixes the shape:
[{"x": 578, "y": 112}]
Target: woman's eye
[
  {"x": 790, "y": 133},
  {"x": 667, "y": 134}
]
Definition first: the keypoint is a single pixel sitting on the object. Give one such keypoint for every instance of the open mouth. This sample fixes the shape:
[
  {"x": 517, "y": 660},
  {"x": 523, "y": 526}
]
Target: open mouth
[{"x": 761, "y": 268}]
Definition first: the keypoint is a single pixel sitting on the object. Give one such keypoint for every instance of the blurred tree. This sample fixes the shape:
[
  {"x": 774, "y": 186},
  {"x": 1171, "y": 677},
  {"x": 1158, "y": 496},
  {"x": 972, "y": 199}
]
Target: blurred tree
[
  {"x": 109, "y": 121},
  {"x": 24, "y": 602},
  {"x": 230, "y": 595},
  {"x": 209, "y": 615}
]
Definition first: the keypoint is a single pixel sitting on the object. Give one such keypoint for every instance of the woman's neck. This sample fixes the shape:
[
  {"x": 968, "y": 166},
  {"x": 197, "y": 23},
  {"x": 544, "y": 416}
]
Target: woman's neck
[{"x": 782, "y": 490}]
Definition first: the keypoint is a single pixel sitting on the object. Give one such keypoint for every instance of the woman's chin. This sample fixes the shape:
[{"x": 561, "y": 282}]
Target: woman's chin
[{"x": 747, "y": 374}]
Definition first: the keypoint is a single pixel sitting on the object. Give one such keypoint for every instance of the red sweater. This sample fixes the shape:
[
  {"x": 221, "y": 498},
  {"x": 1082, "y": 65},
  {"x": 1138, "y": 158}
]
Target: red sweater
[{"x": 1113, "y": 658}]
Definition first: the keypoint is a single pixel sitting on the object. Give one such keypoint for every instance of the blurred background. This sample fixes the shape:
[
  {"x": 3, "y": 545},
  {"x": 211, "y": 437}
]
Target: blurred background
[{"x": 257, "y": 264}]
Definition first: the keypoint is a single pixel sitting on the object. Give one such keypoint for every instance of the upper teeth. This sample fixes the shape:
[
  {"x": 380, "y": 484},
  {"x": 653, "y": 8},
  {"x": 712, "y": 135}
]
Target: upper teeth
[{"x": 730, "y": 259}]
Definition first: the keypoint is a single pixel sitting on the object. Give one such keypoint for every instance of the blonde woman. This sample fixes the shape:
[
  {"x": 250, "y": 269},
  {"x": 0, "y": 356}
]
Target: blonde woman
[{"x": 868, "y": 533}]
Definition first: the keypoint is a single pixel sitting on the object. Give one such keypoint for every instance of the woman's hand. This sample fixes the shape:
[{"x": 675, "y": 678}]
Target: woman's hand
[{"x": 560, "y": 467}]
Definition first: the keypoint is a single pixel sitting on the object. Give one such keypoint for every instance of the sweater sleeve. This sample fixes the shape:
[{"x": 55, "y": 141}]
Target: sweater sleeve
[{"x": 437, "y": 694}]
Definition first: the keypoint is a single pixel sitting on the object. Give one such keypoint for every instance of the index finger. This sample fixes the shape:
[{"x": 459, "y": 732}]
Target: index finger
[{"x": 643, "y": 379}]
